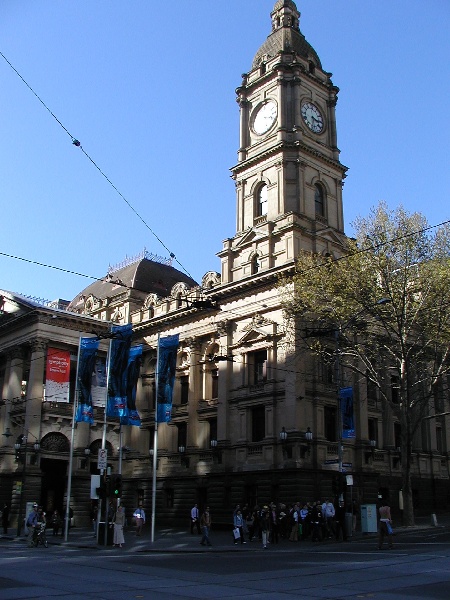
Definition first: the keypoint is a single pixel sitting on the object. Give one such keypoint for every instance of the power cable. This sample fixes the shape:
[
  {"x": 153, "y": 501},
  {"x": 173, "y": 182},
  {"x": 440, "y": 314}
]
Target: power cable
[{"x": 77, "y": 143}]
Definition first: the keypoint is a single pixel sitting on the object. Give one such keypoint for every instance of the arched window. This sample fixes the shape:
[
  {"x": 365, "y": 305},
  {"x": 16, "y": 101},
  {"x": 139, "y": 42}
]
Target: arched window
[
  {"x": 262, "y": 201},
  {"x": 319, "y": 200},
  {"x": 255, "y": 264}
]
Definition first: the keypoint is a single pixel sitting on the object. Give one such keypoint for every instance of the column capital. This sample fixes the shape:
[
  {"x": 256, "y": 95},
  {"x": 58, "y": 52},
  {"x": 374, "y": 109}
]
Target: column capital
[{"x": 38, "y": 344}]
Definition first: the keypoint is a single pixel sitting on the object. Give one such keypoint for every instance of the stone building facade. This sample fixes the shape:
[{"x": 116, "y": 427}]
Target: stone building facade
[{"x": 247, "y": 395}]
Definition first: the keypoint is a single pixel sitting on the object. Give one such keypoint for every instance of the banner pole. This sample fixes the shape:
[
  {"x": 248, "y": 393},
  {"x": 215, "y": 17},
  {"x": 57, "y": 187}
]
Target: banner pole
[
  {"x": 155, "y": 445},
  {"x": 72, "y": 438}
]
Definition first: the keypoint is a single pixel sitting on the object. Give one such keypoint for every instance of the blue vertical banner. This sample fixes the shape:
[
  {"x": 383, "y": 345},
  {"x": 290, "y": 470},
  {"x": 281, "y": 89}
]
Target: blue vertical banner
[
  {"x": 347, "y": 416},
  {"x": 116, "y": 405},
  {"x": 133, "y": 369},
  {"x": 167, "y": 363},
  {"x": 86, "y": 364}
]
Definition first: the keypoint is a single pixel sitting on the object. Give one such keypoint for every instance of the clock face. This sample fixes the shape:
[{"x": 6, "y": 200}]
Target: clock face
[
  {"x": 312, "y": 117},
  {"x": 265, "y": 117}
]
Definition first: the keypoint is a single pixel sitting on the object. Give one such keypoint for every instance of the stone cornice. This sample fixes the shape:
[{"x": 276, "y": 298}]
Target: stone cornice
[{"x": 281, "y": 146}]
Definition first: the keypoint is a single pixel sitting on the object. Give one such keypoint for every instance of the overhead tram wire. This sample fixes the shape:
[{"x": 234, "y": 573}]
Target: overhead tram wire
[
  {"x": 317, "y": 266},
  {"x": 77, "y": 143}
]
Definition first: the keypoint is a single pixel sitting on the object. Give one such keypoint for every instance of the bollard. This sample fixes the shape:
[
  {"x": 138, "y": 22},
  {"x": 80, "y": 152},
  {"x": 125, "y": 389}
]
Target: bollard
[{"x": 434, "y": 522}]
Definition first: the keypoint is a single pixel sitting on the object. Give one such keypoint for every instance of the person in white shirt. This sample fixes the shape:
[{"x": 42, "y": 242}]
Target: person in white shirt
[
  {"x": 328, "y": 513},
  {"x": 195, "y": 519},
  {"x": 139, "y": 515}
]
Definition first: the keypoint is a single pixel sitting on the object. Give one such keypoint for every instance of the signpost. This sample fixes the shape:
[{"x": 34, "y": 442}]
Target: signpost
[{"x": 102, "y": 460}]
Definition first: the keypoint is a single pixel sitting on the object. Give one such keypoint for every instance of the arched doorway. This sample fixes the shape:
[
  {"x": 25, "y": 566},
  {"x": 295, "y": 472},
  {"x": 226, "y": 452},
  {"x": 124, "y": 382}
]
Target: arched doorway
[{"x": 54, "y": 461}]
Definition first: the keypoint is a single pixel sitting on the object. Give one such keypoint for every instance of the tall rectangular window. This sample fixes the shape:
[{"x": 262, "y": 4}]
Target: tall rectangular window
[
  {"x": 212, "y": 430},
  {"x": 398, "y": 435},
  {"x": 215, "y": 383},
  {"x": 184, "y": 385},
  {"x": 373, "y": 429},
  {"x": 330, "y": 423},
  {"x": 258, "y": 423},
  {"x": 182, "y": 434},
  {"x": 257, "y": 363},
  {"x": 326, "y": 372},
  {"x": 371, "y": 390}
]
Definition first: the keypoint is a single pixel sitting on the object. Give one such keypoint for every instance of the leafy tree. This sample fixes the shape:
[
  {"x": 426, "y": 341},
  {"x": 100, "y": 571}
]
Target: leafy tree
[{"x": 385, "y": 302}]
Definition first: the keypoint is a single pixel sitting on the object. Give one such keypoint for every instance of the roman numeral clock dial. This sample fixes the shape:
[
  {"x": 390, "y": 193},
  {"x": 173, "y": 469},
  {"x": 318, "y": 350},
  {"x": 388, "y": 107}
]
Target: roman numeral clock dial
[
  {"x": 312, "y": 117},
  {"x": 264, "y": 117}
]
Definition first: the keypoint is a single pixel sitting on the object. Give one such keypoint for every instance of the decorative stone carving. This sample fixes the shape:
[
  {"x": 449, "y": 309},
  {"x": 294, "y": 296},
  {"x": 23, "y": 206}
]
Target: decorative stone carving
[{"x": 223, "y": 327}]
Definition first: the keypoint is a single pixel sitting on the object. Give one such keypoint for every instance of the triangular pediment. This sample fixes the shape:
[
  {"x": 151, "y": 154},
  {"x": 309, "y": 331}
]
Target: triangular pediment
[
  {"x": 250, "y": 236},
  {"x": 332, "y": 236},
  {"x": 258, "y": 330}
]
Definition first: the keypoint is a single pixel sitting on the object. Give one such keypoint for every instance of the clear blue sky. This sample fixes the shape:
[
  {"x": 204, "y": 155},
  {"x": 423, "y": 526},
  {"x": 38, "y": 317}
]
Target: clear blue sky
[{"x": 148, "y": 87}]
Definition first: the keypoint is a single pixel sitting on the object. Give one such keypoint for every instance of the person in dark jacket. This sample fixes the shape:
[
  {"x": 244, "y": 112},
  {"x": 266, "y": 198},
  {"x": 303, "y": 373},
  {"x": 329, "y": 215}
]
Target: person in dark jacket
[
  {"x": 340, "y": 523},
  {"x": 316, "y": 522},
  {"x": 264, "y": 525}
]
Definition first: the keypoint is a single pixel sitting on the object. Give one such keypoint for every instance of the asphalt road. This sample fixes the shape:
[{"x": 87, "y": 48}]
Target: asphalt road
[{"x": 418, "y": 567}]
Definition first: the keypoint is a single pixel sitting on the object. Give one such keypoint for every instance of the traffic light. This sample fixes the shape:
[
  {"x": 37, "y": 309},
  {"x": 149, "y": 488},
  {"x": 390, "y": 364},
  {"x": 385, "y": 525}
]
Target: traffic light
[
  {"x": 116, "y": 486},
  {"x": 107, "y": 484}
]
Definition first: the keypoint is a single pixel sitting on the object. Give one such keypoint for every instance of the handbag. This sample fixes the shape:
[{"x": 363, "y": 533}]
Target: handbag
[
  {"x": 236, "y": 533},
  {"x": 389, "y": 528}
]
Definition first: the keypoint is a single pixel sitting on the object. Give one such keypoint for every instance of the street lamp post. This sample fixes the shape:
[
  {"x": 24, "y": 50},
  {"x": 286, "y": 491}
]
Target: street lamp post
[
  {"x": 18, "y": 448},
  {"x": 21, "y": 448}
]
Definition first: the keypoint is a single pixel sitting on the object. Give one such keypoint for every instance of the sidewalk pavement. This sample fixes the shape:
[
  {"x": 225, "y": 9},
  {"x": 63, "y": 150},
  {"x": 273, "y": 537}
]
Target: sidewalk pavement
[{"x": 179, "y": 540}]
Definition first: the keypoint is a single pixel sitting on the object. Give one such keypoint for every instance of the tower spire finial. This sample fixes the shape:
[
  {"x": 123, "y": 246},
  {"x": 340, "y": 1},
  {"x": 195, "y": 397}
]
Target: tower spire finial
[{"x": 285, "y": 14}]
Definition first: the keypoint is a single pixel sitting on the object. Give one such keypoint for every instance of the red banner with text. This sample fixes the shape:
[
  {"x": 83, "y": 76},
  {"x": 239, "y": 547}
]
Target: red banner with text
[{"x": 57, "y": 382}]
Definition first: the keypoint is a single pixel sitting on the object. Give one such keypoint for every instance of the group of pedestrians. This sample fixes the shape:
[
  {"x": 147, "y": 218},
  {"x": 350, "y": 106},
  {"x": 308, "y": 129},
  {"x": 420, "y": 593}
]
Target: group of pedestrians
[{"x": 37, "y": 520}]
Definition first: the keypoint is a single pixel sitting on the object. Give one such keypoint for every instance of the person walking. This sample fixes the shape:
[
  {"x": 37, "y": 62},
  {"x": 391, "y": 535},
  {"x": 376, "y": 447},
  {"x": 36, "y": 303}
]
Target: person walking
[
  {"x": 32, "y": 522},
  {"x": 340, "y": 523},
  {"x": 264, "y": 525},
  {"x": 328, "y": 514},
  {"x": 195, "y": 519},
  {"x": 139, "y": 516},
  {"x": 119, "y": 522},
  {"x": 205, "y": 524},
  {"x": 55, "y": 522},
  {"x": 385, "y": 527},
  {"x": 238, "y": 523},
  {"x": 316, "y": 522},
  {"x": 294, "y": 516},
  {"x": 274, "y": 537}
]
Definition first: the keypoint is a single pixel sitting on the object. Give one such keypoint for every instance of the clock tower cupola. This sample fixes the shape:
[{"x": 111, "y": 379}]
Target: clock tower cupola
[{"x": 288, "y": 175}]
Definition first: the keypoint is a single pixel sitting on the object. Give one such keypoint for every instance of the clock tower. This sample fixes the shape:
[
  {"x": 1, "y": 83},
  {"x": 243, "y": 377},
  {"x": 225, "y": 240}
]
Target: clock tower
[{"x": 288, "y": 177}]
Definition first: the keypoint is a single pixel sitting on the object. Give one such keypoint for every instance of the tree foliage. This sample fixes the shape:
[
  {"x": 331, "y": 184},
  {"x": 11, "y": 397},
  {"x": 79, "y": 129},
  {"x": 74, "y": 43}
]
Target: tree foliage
[{"x": 387, "y": 299}]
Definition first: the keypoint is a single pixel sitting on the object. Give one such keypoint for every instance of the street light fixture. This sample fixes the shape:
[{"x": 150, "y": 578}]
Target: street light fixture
[
  {"x": 306, "y": 448},
  {"x": 21, "y": 448}
]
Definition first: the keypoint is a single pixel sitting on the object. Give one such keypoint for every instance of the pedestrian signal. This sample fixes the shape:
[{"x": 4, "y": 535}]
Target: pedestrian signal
[{"x": 116, "y": 486}]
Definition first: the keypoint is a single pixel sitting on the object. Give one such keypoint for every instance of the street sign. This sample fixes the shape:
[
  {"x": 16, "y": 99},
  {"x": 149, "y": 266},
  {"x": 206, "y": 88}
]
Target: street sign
[
  {"x": 331, "y": 462},
  {"x": 347, "y": 465},
  {"x": 102, "y": 460}
]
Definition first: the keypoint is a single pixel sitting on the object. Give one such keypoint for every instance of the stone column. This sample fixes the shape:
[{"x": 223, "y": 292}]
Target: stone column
[
  {"x": 35, "y": 390},
  {"x": 194, "y": 394},
  {"x": 12, "y": 388},
  {"x": 282, "y": 84}
]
